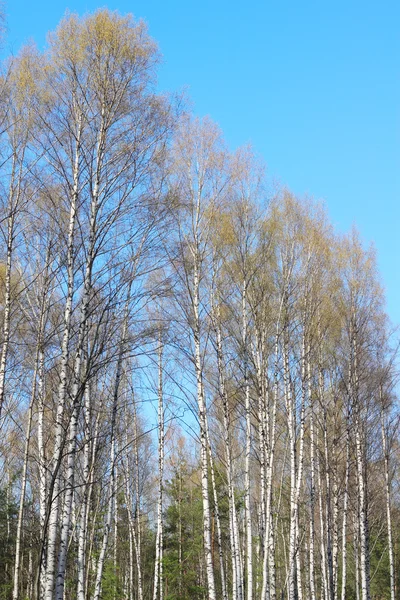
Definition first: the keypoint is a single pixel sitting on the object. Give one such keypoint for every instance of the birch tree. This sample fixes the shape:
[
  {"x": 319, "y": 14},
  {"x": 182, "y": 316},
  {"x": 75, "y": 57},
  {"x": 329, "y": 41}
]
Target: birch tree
[{"x": 199, "y": 180}]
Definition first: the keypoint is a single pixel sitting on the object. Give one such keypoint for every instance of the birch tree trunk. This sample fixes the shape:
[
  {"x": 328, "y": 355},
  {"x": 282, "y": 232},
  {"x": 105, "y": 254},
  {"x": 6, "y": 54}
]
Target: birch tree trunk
[
  {"x": 386, "y": 454},
  {"x": 77, "y": 386},
  {"x": 291, "y": 416},
  {"x": 158, "y": 571},
  {"x": 89, "y": 456},
  {"x": 324, "y": 576},
  {"x": 38, "y": 370},
  {"x": 54, "y": 491},
  {"x": 237, "y": 585},
  {"x": 137, "y": 534},
  {"x": 111, "y": 486},
  {"x": 345, "y": 510},
  {"x": 18, "y": 539},
  {"x": 268, "y": 574},
  {"x": 262, "y": 445},
  {"x": 217, "y": 516},
  {"x": 203, "y": 433},
  {"x": 328, "y": 515},
  {"x": 299, "y": 474},
  {"x": 7, "y": 308},
  {"x": 312, "y": 485},
  {"x": 356, "y": 539},
  {"x": 249, "y": 540},
  {"x": 11, "y": 209},
  {"x": 361, "y": 482}
]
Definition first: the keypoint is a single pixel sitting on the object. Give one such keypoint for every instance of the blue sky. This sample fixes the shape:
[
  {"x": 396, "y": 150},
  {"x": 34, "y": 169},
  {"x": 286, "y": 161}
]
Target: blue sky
[{"x": 314, "y": 86}]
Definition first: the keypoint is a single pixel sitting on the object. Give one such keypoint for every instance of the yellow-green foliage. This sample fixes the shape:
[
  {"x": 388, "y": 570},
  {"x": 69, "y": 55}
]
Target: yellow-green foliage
[{"x": 101, "y": 45}]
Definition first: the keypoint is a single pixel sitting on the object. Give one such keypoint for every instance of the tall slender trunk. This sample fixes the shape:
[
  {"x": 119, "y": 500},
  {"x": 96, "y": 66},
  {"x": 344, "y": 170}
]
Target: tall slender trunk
[
  {"x": 12, "y": 204},
  {"x": 111, "y": 486},
  {"x": 345, "y": 510},
  {"x": 361, "y": 471},
  {"x": 54, "y": 491},
  {"x": 217, "y": 517},
  {"x": 116, "y": 515},
  {"x": 18, "y": 538},
  {"x": 38, "y": 370},
  {"x": 263, "y": 409},
  {"x": 137, "y": 534},
  {"x": 203, "y": 433},
  {"x": 364, "y": 545},
  {"x": 324, "y": 576},
  {"x": 237, "y": 584},
  {"x": 328, "y": 514},
  {"x": 180, "y": 540},
  {"x": 77, "y": 386},
  {"x": 269, "y": 576},
  {"x": 335, "y": 528},
  {"x": 356, "y": 537},
  {"x": 158, "y": 581},
  {"x": 41, "y": 443},
  {"x": 262, "y": 450},
  {"x": 130, "y": 594},
  {"x": 300, "y": 463},
  {"x": 388, "y": 508},
  {"x": 291, "y": 424},
  {"x": 312, "y": 484},
  {"x": 89, "y": 453},
  {"x": 249, "y": 540},
  {"x": 42, "y": 464}
]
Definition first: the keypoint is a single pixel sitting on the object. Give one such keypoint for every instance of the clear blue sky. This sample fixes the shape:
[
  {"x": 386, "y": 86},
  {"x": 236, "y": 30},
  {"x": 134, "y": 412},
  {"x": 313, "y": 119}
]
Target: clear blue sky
[{"x": 314, "y": 86}]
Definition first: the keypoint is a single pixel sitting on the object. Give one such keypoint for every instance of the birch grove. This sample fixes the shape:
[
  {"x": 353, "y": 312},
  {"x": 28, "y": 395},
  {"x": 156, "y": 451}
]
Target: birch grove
[{"x": 198, "y": 378}]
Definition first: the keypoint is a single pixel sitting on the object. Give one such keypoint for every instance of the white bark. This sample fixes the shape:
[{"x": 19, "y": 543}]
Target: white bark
[
  {"x": 312, "y": 485},
  {"x": 291, "y": 424},
  {"x": 300, "y": 464},
  {"x": 89, "y": 453},
  {"x": 335, "y": 542},
  {"x": 262, "y": 444},
  {"x": 237, "y": 580},
  {"x": 386, "y": 453},
  {"x": 54, "y": 491},
  {"x": 115, "y": 553},
  {"x": 217, "y": 517},
  {"x": 268, "y": 574},
  {"x": 76, "y": 390},
  {"x": 38, "y": 371},
  {"x": 364, "y": 551},
  {"x": 356, "y": 552},
  {"x": 249, "y": 540},
  {"x": 137, "y": 534},
  {"x": 41, "y": 445},
  {"x": 17, "y": 563},
  {"x": 111, "y": 486},
  {"x": 361, "y": 479},
  {"x": 158, "y": 580},
  {"x": 328, "y": 515},
  {"x": 203, "y": 433},
  {"x": 11, "y": 208},
  {"x": 345, "y": 509},
  {"x": 130, "y": 594},
  {"x": 324, "y": 577}
]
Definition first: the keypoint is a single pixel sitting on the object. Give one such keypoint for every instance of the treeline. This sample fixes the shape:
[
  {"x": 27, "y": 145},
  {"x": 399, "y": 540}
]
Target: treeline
[{"x": 197, "y": 374}]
